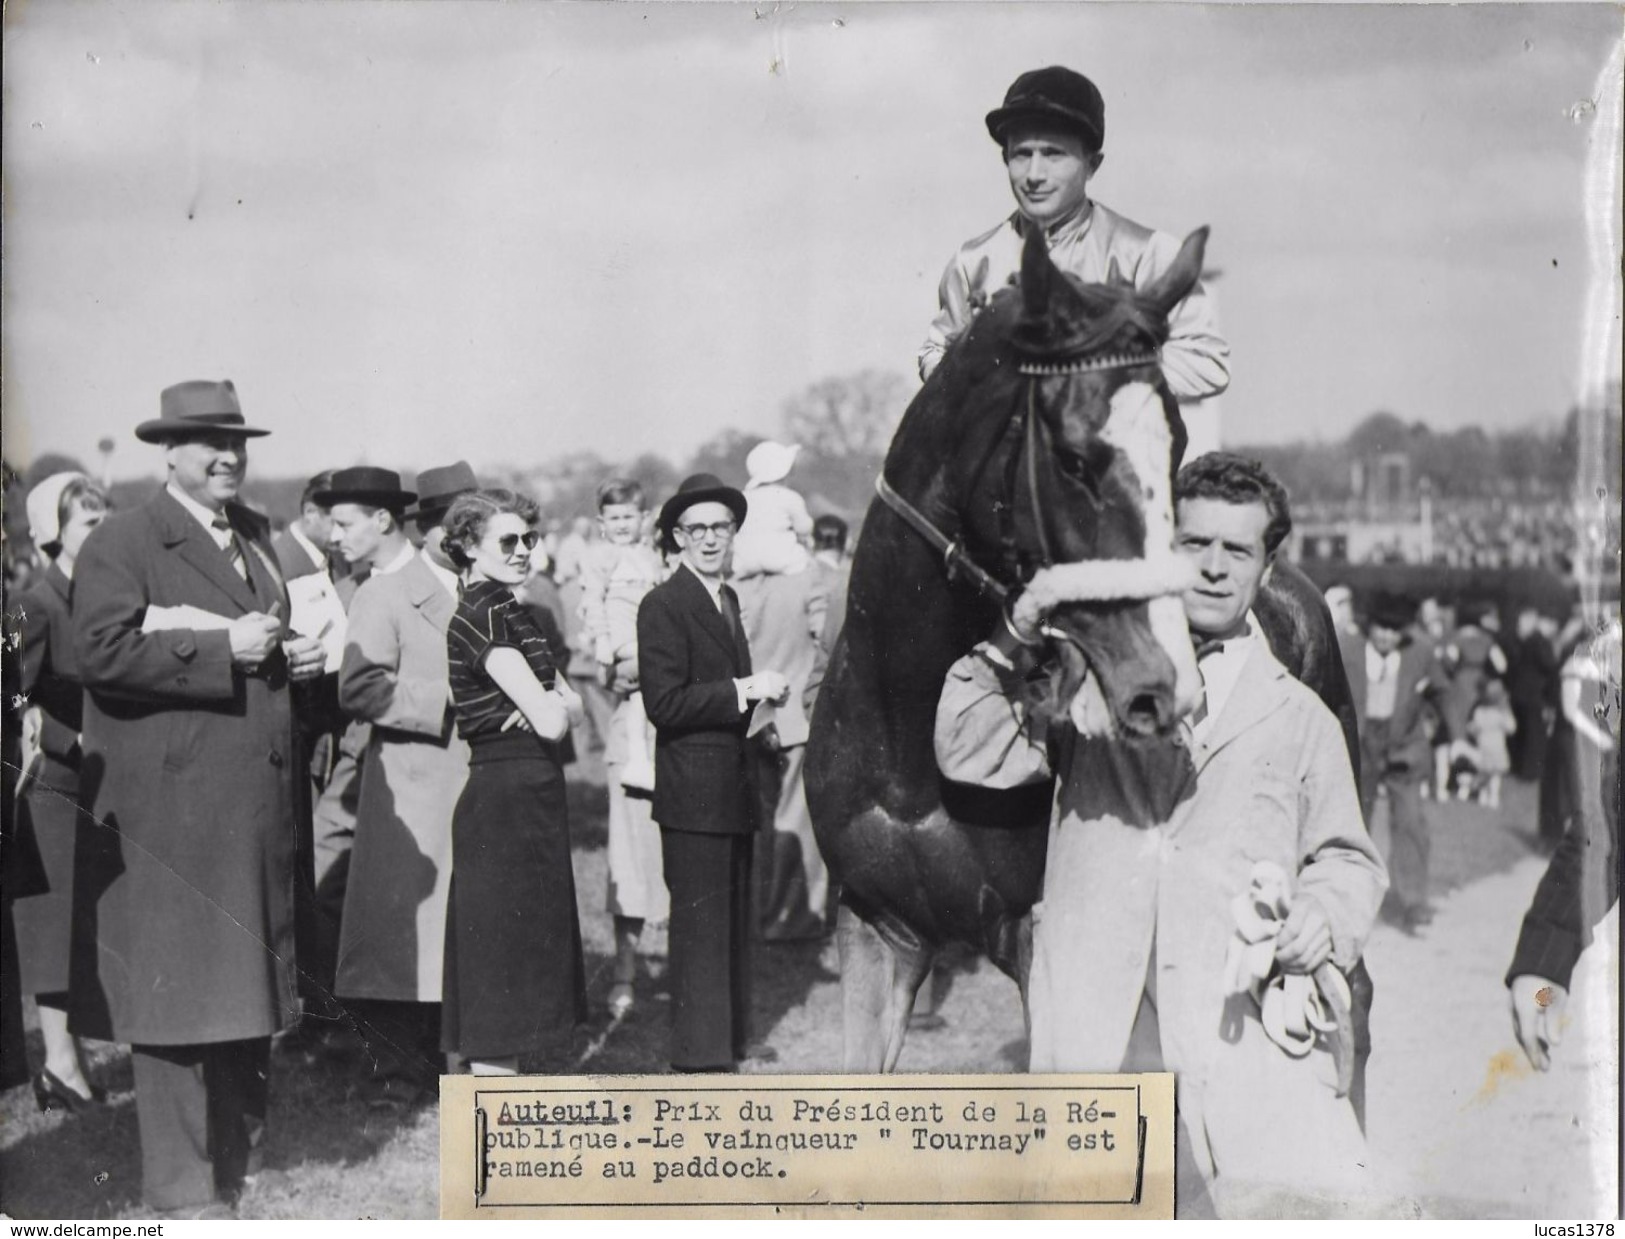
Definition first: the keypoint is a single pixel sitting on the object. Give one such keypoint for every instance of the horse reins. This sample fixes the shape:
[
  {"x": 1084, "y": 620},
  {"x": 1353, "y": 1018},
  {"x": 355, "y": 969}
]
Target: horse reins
[{"x": 956, "y": 560}]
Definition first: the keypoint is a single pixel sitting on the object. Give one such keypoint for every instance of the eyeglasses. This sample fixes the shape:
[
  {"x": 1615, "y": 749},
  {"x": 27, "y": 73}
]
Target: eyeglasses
[
  {"x": 696, "y": 533},
  {"x": 508, "y": 542}
]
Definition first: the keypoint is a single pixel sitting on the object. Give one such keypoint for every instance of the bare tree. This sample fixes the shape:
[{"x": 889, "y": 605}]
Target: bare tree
[{"x": 848, "y": 415}]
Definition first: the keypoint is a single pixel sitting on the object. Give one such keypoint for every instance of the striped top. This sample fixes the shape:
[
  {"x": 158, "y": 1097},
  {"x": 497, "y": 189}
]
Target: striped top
[{"x": 488, "y": 615}]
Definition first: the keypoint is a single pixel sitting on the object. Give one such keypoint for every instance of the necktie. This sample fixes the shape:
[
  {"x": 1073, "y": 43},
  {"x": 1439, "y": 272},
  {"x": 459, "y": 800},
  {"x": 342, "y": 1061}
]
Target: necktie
[
  {"x": 729, "y": 614},
  {"x": 234, "y": 547},
  {"x": 1205, "y": 648}
]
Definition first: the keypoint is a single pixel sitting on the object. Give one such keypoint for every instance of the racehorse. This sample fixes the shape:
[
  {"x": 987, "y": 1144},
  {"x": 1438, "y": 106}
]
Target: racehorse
[{"x": 1039, "y": 457}]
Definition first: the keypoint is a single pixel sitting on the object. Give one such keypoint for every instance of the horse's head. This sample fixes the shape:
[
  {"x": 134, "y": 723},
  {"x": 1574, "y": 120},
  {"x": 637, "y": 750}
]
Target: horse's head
[{"x": 1073, "y": 494}]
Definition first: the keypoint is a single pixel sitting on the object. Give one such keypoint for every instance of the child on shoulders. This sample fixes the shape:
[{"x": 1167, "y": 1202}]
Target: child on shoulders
[{"x": 777, "y": 525}]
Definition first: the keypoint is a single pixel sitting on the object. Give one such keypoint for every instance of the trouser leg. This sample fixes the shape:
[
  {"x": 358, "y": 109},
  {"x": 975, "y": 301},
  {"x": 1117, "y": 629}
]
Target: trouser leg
[
  {"x": 235, "y": 1077},
  {"x": 709, "y": 880},
  {"x": 402, "y": 1040},
  {"x": 739, "y": 956},
  {"x": 1408, "y": 863},
  {"x": 172, "y": 1114},
  {"x": 1192, "y": 1196},
  {"x": 200, "y": 1110}
]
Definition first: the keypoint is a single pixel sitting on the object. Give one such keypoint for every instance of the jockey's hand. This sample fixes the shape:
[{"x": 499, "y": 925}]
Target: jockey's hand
[
  {"x": 1537, "y": 1024},
  {"x": 1305, "y": 941}
]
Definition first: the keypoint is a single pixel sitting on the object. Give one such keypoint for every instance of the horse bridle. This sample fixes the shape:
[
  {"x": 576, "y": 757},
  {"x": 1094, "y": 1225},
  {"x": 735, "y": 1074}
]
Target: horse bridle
[{"x": 956, "y": 560}]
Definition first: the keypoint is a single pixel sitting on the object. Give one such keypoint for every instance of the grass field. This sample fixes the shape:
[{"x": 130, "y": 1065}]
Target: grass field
[{"x": 328, "y": 1156}]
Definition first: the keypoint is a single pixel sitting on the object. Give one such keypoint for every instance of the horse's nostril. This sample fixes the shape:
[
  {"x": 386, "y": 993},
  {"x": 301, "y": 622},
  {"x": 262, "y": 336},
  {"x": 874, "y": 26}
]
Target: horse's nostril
[{"x": 1143, "y": 716}]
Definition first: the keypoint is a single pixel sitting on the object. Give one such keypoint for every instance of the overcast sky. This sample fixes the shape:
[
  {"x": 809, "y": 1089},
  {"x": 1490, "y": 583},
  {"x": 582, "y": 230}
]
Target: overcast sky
[{"x": 417, "y": 231}]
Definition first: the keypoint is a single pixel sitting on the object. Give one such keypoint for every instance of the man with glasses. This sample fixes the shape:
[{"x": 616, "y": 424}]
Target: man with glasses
[{"x": 698, "y": 688}]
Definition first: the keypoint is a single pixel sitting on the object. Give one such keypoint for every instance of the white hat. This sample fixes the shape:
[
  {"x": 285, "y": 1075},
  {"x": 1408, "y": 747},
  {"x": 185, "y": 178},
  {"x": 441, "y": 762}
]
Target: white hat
[
  {"x": 44, "y": 502},
  {"x": 770, "y": 462}
]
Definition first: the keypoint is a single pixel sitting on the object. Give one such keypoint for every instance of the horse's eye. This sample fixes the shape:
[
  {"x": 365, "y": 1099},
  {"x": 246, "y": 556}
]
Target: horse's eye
[
  {"x": 1080, "y": 471},
  {"x": 1085, "y": 464}
]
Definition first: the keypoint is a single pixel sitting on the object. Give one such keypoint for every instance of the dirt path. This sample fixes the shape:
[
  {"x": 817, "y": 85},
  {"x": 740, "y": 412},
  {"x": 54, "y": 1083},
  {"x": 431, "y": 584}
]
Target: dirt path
[{"x": 1459, "y": 1124}]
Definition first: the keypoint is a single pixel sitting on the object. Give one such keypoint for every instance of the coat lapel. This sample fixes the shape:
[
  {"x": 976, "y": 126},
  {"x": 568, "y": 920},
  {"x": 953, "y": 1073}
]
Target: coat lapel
[
  {"x": 262, "y": 563},
  {"x": 181, "y": 534},
  {"x": 698, "y": 600},
  {"x": 1256, "y": 695},
  {"x": 60, "y": 585},
  {"x": 427, "y": 594}
]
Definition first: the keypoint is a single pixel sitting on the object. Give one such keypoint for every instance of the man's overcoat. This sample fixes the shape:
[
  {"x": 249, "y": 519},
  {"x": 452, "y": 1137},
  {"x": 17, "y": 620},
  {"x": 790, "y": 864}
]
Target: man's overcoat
[
  {"x": 185, "y": 868},
  {"x": 393, "y": 937}
]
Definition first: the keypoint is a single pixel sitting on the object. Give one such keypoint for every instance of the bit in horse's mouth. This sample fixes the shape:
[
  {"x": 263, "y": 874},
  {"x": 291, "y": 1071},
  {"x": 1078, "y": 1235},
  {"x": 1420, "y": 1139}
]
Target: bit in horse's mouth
[{"x": 1077, "y": 692}]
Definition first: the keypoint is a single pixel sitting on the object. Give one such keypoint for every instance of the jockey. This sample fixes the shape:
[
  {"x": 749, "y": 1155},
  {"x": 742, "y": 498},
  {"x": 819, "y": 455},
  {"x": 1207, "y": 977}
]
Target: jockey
[{"x": 1052, "y": 128}]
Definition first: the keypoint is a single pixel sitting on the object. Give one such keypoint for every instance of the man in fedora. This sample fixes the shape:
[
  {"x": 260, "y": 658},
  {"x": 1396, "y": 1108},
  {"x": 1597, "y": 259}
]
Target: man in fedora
[
  {"x": 1051, "y": 130},
  {"x": 437, "y": 488},
  {"x": 1393, "y": 701},
  {"x": 694, "y": 668},
  {"x": 394, "y": 678},
  {"x": 186, "y": 950}
]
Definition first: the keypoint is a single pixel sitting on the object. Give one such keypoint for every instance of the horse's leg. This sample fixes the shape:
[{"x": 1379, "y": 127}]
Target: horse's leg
[
  {"x": 910, "y": 966},
  {"x": 865, "y": 985},
  {"x": 1024, "y": 968},
  {"x": 879, "y": 979}
]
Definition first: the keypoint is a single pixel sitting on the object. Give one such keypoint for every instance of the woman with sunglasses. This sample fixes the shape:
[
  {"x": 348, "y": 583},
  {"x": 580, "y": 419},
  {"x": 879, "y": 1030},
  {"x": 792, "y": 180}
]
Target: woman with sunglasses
[{"x": 515, "y": 982}]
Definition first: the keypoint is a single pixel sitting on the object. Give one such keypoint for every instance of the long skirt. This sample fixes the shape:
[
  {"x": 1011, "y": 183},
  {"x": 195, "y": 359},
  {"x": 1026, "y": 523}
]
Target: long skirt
[
  {"x": 515, "y": 980},
  {"x": 45, "y": 921}
]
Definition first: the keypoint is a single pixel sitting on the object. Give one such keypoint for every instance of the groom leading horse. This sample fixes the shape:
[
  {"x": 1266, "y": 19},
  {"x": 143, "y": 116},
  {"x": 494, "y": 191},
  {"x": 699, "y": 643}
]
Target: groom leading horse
[{"x": 925, "y": 861}]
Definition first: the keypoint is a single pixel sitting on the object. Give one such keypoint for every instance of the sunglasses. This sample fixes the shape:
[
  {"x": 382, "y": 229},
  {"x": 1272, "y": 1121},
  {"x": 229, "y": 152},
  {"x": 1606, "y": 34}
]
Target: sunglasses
[
  {"x": 509, "y": 542},
  {"x": 696, "y": 533}
]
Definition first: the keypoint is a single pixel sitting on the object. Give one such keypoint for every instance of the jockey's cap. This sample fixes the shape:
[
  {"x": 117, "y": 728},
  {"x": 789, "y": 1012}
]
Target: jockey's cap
[{"x": 1057, "y": 95}]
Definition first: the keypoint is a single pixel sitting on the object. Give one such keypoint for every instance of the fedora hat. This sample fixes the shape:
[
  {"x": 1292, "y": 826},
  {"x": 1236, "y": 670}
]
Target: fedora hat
[
  {"x": 437, "y": 488},
  {"x": 701, "y": 488},
  {"x": 367, "y": 484},
  {"x": 1055, "y": 95},
  {"x": 201, "y": 407},
  {"x": 1392, "y": 611}
]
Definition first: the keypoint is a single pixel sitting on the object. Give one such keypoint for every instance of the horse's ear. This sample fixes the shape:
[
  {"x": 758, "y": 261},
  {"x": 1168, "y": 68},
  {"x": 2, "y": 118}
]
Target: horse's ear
[
  {"x": 1114, "y": 273},
  {"x": 1037, "y": 275},
  {"x": 1169, "y": 289}
]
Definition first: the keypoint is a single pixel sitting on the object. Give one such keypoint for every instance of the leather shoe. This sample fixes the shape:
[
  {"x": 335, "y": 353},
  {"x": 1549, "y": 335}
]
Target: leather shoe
[{"x": 51, "y": 1094}]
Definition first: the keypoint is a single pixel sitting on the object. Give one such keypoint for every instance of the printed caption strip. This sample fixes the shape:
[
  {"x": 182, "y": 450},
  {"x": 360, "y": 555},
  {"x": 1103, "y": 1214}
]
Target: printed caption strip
[{"x": 807, "y": 1146}]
